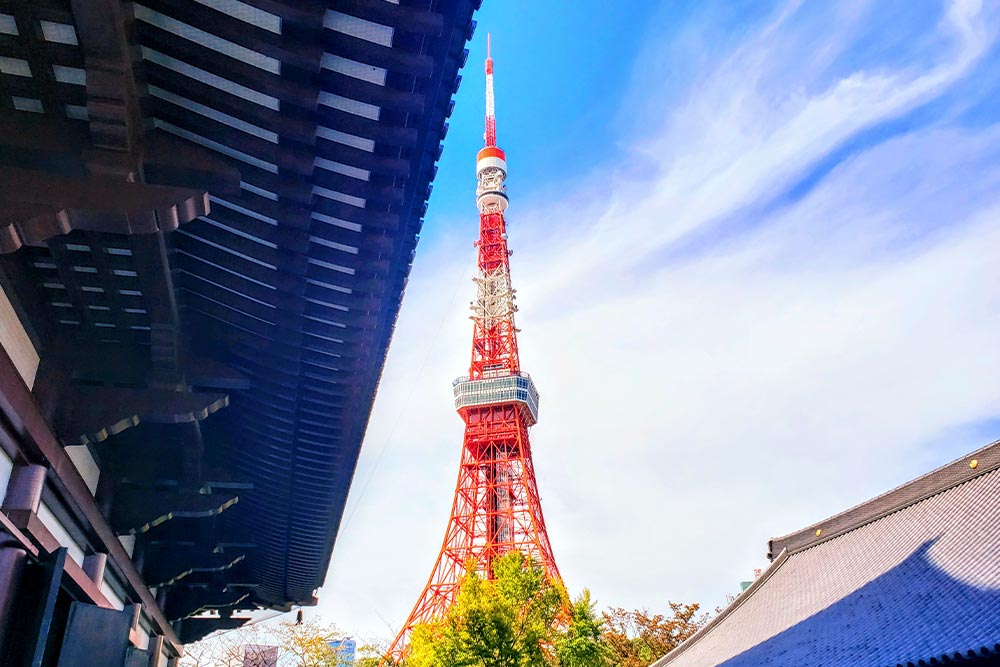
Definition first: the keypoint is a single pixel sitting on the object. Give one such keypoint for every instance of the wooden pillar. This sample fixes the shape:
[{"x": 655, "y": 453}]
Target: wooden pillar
[
  {"x": 155, "y": 651},
  {"x": 12, "y": 560},
  {"x": 24, "y": 492}
]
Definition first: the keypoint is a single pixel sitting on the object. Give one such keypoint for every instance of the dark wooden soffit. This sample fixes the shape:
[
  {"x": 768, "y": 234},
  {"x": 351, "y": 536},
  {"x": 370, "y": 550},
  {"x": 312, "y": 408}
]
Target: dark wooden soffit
[{"x": 36, "y": 206}]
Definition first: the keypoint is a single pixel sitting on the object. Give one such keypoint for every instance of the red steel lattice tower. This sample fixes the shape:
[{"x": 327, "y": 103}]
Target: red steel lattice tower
[{"x": 496, "y": 508}]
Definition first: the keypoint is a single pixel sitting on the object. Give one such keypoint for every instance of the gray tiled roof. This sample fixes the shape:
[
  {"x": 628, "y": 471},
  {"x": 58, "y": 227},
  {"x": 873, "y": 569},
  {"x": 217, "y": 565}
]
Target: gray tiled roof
[{"x": 910, "y": 576}]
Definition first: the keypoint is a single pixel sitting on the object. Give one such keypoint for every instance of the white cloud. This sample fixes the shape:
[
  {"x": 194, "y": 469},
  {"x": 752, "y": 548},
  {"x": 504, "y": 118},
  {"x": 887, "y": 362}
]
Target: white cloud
[{"x": 718, "y": 363}]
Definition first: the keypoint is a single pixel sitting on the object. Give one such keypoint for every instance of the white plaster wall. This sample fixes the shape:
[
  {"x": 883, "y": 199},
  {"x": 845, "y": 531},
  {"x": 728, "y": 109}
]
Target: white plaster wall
[
  {"x": 84, "y": 461},
  {"x": 49, "y": 520},
  {"x": 15, "y": 341},
  {"x": 111, "y": 595},
  {"x": 6, "y": 467}
]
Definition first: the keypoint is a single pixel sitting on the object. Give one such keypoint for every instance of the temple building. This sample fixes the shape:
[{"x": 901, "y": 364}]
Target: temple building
[
  {"x": 209, "y": 210},
  {"x": 909, "y": 578}
]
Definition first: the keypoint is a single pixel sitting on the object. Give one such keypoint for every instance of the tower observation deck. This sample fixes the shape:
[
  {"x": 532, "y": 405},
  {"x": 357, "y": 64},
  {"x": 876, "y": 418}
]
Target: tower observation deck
[{"x": 496, "y": 509}]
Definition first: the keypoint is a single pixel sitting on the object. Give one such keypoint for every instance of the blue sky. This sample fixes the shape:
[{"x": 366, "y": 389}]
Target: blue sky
[
  {"x": 559, "y": 79},
  {"x": 757, "y": 267}
]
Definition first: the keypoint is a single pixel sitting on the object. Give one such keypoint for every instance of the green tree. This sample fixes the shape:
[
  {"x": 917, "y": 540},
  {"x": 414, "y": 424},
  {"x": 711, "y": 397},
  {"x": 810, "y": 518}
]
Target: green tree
[
  {"x": 582, "y": 644},
  {"x": 517, "y": 619}
]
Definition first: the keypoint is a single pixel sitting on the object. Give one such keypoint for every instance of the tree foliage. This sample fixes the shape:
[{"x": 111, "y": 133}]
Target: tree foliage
[
  {"x": 582, "y": 644},
  {"x": 305, "y": 644},
  {"x": 637, "y": 638},
  {"x": 516, "y": 619}
]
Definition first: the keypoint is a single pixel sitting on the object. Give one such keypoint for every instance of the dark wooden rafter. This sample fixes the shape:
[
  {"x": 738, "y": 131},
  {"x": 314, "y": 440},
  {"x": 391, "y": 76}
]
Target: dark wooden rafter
[
  {"x": 68, "y": 277},
  {"x": 400, "y": 17},
  {"x": 291, "y": 52},
  {"x": 25, "y": 17},
  {"x": 228, "y": 103},
  {"x": 105, "y": 265},
  {"x": 232, "y": 69},
  {"x": 413, "y": 64},
  {"x": 298, "y": 161},
  {"x": 370, "y": 93},
  {"x": 302, "y": 13}
]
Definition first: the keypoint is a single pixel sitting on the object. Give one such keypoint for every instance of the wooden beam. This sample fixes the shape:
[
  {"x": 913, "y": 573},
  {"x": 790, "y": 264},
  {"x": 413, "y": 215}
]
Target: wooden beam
[
  {"x": 63, "y": 144},
  {"x": 170, "y": 565},
  {"x": 187, "y": 602},
  {"x": 195, "y": 628},
  {"x": 300, "y": 160},
  {"x": 103, "y": 28},
  {"x": 138, "y": 510},
  {"x": 135, "y": 473},
  {"x": 36, "y": 206},
  {"x": 88, "y": 415},
  {"x": 27, "y": 131},
  {"x": 206, "y": 372},
  {"x": 168, "y": 160},
  {"x": 110, "y": 363},
  {"x": 150, "y": 256}
]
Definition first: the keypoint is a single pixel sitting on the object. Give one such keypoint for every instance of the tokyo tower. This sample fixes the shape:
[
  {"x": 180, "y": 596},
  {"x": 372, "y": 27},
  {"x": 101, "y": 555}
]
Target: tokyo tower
[{"x": 496, "y": 508}]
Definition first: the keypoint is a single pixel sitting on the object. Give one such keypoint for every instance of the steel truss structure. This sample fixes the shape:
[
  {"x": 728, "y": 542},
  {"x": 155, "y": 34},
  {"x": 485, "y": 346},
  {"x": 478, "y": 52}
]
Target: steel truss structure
[{"x": 497, "y": 509}]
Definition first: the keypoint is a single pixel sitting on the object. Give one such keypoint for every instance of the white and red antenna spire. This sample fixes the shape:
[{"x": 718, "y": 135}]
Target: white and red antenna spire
[{"x": 491, "y": 118}]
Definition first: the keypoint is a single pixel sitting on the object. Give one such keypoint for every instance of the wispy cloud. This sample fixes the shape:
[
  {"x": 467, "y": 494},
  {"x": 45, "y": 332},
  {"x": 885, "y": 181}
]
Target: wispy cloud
[{"x": 730, "y": 341}]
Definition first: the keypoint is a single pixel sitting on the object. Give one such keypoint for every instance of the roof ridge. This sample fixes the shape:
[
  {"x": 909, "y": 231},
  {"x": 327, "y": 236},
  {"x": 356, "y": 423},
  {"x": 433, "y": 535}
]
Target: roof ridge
[{"x": 972, "y": 465}]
